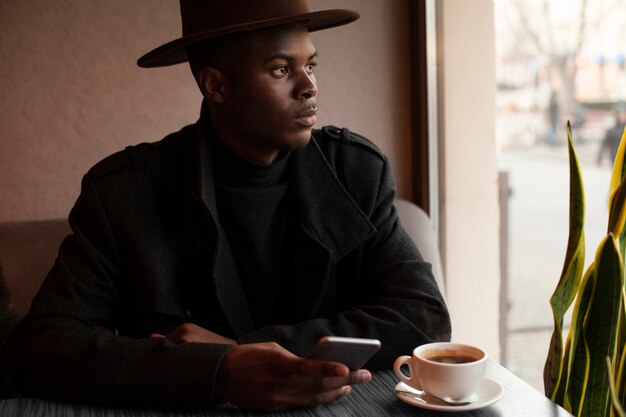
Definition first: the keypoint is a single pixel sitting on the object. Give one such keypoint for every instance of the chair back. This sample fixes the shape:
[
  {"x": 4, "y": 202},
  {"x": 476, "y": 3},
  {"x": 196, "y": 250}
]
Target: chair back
[
  {"x": 27, "y": 253},
  {"x": 420, "y": 228}
]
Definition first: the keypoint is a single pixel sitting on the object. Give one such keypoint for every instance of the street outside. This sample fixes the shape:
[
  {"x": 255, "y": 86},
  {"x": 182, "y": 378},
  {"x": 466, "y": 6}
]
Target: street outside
[
  {"x": 538, "y": 210},
  {"x": 555, "y": 60}
]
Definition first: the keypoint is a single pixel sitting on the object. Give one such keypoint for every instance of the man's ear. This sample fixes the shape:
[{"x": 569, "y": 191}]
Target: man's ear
[{"x": 212, "y": 85}]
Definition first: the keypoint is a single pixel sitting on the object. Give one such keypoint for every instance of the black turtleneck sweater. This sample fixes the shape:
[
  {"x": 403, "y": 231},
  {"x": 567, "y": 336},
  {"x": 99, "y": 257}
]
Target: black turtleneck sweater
[{"x": 253, "y": 209}]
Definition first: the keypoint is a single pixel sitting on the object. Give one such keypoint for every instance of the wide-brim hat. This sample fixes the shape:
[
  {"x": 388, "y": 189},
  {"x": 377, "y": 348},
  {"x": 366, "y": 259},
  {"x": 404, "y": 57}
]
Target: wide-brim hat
[{"x": 206, "y": 19}]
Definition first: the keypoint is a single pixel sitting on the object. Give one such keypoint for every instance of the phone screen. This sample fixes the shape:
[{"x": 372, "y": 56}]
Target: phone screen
[{"x": 352, "y": 352}]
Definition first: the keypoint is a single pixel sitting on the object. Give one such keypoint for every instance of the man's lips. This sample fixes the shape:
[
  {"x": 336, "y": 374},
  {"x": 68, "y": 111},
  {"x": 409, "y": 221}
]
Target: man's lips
[{"x": 307, "y": 117}]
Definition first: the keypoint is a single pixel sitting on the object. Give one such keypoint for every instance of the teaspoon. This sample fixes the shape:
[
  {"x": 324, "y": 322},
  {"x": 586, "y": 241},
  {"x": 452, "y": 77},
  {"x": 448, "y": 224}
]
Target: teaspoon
[{"x": 431, "y": 399}]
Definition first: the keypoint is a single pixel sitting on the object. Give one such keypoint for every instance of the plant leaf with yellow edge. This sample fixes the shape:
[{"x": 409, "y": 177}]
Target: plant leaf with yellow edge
[
  {"x": 559, "y": 396},
  {"x": 619, "y": 169},
  {"x": 620, "y": 386},
  {"x": 615, "y": 402},
  {"x": 617, "y": 211},
  {"x": 567, "y": 287},
  {"x": 601, "y": 327},
  {"x": 578, "y": 359},
  {"x": 619, "y": 397}
]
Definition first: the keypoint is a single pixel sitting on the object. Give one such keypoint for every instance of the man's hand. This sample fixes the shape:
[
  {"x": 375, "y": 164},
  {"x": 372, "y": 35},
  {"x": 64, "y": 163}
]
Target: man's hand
[
  {"x": 189, "y": 332},
  {"x": 265, "y": 376}
]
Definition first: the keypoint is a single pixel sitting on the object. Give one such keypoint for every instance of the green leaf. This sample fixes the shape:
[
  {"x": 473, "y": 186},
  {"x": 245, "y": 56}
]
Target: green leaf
[
  {"x": 615, "y": 401},
  {"x": 578, "y": 359},
  {"x": 601, "y": 327},
  {"x": 617, "y": 186},
  {"x": 567, "y": 287},
  {"x": 616, "y": 204},
  {"x": 617, "y": 397},
  {"x": 617, "y": 210},
  {"x": 621, "y": 385},
  {"x": 559, "y": 396},
  {"x": 619, "y": 168}
]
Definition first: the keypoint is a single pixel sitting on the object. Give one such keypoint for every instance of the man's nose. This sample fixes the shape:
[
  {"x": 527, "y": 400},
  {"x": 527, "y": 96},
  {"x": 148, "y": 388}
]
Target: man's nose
[{"x": 307, "y": 86}]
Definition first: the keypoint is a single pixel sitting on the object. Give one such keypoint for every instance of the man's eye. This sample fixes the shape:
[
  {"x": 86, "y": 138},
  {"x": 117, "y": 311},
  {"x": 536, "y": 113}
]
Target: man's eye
[
  {"x": 310, "y": 68},
  {"x": 280, "y": 71}
]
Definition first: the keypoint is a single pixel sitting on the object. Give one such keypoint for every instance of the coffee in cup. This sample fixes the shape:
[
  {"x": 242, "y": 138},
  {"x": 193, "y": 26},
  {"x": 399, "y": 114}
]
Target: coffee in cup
[{"x": 446, "y": 370}]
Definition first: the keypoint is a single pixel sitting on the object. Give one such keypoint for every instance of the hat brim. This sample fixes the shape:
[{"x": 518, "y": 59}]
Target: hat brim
[{"x": 175, "y": 52}]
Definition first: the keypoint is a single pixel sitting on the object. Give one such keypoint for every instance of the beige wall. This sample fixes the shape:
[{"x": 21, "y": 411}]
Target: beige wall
[
  {"x": 70, "y": 92},
  {"x": 469, "y": 192},
  {"x": 364, "y": 78}
]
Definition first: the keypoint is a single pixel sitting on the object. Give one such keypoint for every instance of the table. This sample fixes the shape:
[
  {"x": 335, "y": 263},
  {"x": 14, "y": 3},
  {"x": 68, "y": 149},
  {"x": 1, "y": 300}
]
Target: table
[{"x": 376, "y": 399}]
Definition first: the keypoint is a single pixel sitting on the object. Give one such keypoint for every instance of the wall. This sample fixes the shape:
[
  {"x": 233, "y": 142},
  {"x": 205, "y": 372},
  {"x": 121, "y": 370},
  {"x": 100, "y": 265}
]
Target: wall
[
  {"x": 468, "y": 182},
  {"x": 70, "y": 92},
  {"x": 364, "y": 78}
]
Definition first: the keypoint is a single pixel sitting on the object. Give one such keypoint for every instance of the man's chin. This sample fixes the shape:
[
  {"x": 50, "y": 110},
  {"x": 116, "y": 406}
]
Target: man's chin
[
  {"x": 302, "y": 142},
  {"x": 298, "y": 140}
]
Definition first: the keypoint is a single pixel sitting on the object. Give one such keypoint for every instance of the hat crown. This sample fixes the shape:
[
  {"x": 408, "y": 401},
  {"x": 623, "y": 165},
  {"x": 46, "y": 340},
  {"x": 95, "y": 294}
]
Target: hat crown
[
  {"x": 206, "y": 15},
  {"x": 206, "y": 19}
]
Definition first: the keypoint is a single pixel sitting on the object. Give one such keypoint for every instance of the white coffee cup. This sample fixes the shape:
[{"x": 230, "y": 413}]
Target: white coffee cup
[{"x": 446, "y": 370}]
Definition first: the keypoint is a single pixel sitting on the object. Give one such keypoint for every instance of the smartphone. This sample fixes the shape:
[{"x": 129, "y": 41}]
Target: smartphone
[{"x": 351, "y": 351}]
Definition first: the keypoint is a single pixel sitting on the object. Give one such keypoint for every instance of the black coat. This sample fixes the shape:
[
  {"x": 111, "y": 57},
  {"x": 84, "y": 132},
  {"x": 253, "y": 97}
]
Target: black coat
[{"x": 147, "y": 254}]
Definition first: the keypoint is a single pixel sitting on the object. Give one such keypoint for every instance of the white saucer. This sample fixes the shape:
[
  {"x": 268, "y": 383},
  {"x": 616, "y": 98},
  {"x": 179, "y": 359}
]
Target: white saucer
[{"x": 488, "y": 393}]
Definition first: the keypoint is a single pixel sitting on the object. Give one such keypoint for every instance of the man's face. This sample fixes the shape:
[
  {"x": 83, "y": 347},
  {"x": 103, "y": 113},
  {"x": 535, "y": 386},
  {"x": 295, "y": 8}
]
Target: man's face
[{"x": 269, "y": 92}]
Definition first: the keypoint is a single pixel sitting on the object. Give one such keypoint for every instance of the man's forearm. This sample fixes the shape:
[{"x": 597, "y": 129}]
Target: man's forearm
[{"x": 63, "y": 359}]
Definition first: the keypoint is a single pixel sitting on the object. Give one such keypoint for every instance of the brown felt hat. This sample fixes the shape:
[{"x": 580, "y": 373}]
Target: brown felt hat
[{"x": 205, "y": 19}]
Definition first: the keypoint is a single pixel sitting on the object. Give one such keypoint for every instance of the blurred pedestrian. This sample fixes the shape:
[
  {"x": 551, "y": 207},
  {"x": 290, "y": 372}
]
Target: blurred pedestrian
[
  {"x": 553, "y": 117},
  {"x": 613, "y": 135}
]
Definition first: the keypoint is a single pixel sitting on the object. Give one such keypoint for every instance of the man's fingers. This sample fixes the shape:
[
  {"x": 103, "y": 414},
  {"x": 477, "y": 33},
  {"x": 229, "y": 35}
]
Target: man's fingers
[
  {"x": 360, "y": 376},
  {"x": 279, "y": 379},
  {"x": 313, "y": 367},
  {"x": 317, "y": 375},
  {"x": 321, "y": 383}
]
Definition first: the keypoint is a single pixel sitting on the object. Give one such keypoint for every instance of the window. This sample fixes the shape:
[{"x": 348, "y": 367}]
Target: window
[{"x": 556, "y": 61}]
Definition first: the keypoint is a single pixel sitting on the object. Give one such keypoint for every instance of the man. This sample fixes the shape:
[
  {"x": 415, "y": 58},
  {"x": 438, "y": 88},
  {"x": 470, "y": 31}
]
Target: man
[
  {"x": 203, "y": 267},
  {"x": 613, "y": 135}
]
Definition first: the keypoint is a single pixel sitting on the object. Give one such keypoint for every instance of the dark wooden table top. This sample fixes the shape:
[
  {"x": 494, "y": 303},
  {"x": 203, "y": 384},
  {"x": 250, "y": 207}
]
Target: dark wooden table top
[{"x": 376, "y": 399}]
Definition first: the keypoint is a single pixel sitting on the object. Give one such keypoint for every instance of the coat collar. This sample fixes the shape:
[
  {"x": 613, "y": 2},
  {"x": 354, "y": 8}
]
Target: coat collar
[
  {"x": 320, "y": 196},
  {"x": 327, "y": 211},
  {"x": 330, "y": 219}
]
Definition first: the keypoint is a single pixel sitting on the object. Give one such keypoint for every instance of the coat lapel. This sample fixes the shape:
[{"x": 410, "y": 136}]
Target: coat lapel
[
  {"x": 331, "y": 225},
  {"x": 229, "y": 291}
]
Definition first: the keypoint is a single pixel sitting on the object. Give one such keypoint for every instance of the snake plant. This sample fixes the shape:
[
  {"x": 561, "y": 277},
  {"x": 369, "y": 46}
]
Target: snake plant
[{"x": 586, "y": 374}]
